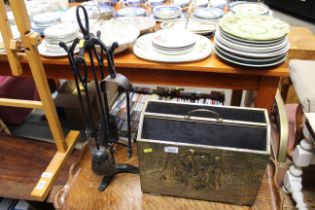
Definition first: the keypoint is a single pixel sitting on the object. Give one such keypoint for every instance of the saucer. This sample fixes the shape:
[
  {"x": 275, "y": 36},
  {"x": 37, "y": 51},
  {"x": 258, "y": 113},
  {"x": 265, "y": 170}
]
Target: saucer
[{"x": 143, "y": 49}]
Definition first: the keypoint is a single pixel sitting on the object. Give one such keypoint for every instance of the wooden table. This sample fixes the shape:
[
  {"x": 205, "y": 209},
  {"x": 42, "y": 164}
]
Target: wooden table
[{"x": 209, "y": 72}]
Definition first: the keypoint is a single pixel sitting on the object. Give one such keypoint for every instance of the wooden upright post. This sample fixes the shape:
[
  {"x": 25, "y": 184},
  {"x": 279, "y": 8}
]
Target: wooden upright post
[
  {"x": 7, "y": 36},
  {"x": 31, "y": 40}
]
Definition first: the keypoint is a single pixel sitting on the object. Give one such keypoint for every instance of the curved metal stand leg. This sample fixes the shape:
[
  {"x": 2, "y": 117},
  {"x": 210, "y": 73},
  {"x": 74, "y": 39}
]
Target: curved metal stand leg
[
  {"x": 126, "y": 168},
  {"x": 120, "y": 168},
  {"x": 105, "y": 182}
]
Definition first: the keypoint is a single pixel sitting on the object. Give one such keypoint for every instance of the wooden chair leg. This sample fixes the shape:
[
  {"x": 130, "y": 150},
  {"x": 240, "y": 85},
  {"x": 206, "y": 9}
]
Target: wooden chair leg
[{"x": 298, "y": 128}]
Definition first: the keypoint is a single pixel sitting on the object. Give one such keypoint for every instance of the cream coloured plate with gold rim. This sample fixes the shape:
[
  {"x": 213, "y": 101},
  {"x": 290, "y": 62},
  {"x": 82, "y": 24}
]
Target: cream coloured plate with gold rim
[
  {"x": 254, "y": 27},
  {"x": 144, "y": 49}
]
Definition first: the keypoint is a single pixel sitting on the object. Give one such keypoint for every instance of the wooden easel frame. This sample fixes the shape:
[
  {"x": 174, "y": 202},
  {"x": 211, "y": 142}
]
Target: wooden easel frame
[{"x": 31, "y": 40}]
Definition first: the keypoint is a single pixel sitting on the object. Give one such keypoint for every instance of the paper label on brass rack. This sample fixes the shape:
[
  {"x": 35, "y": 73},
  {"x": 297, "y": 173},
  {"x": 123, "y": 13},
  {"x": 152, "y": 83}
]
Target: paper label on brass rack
[
  {"x": 147, "y": 150},
  {"x": 171, "y": 150}
]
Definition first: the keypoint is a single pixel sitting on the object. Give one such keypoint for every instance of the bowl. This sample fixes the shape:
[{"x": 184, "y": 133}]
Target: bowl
[
  {"x": 167, "y": 12},
  {"x": 115, "y": 31},
  {"x": 144, "y": 24}
]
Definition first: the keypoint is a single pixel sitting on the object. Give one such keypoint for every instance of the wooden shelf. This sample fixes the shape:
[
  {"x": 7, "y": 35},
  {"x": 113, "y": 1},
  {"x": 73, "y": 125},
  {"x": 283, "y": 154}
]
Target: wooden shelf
[{"x": 22, "y": 162}]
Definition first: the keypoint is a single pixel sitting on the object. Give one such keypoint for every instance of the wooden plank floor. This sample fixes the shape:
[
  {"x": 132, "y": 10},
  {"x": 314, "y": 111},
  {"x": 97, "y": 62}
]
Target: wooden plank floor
[
  {"x": 22, "y": 161},
  {"x": 125, "y": 193}
]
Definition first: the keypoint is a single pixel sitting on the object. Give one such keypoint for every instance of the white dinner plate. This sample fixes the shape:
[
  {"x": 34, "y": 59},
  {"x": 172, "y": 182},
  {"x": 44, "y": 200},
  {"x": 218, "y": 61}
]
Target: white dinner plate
[
  {"x": 249, "y": 60},
  {"x": 252, "y": 54},
  {"x": 255, "y": 42},
  {"x": 143, "y": 48},
  {"x": 42, "y": 51},
  {"x": 254, "y": 49},
  {"x": 223, "y": 57},
  {"x": 251, "y": 44}
]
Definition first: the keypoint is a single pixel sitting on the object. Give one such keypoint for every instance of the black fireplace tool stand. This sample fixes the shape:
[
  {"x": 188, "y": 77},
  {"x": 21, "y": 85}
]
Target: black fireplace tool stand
[{"x": 104, "y": 134}]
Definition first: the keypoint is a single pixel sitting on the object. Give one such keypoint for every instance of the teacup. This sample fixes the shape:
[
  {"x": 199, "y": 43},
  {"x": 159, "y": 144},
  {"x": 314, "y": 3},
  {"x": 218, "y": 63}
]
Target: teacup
[
  {"x": 134, "y": 3},
  {"x": 154, "y": 3}
]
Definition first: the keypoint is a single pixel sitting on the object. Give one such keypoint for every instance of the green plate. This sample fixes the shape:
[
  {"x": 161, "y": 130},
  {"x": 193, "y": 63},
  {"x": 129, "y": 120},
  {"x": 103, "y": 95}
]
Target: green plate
[{"x": 254, "y": 27}]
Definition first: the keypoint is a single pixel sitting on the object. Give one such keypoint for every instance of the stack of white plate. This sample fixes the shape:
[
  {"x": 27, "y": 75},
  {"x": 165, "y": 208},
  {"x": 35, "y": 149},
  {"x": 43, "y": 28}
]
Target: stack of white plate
[
  {"x": 63, "y": 32},
  {"x": 252, "y": 40},
  {"x": 169, "y": 41},
  {"x": 45, "y": 20},
  {"x": 171, "y": 45}
]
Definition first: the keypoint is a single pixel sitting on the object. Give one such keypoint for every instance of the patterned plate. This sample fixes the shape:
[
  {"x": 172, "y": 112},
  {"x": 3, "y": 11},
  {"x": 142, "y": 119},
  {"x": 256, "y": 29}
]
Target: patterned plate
[{"x": 254, "y": 27}]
